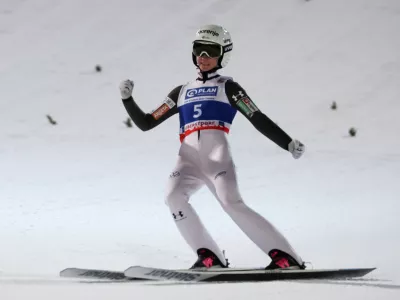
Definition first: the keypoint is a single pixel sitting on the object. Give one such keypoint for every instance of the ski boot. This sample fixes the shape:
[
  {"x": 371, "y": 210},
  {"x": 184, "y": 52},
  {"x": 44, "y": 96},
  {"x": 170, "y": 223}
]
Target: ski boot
[
  {"x": 207, "y": 259},
  {"x": 282, "y": 260}
]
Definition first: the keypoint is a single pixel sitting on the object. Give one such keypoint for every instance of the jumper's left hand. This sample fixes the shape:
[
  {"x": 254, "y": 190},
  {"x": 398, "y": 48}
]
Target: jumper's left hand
[{"x": 296, "y": 148}]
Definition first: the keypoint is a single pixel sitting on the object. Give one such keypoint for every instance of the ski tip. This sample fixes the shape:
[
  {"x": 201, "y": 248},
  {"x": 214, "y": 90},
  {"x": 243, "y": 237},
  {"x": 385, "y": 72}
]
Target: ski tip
[
  {"x": 367, "y": 271},
  {"x": 68, "y": 272},
  {"x": 363, "y": 271}
]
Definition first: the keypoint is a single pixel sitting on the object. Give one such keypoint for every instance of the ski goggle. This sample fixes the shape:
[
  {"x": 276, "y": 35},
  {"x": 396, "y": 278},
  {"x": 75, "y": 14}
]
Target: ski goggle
[{"x": 210, "y": 50}]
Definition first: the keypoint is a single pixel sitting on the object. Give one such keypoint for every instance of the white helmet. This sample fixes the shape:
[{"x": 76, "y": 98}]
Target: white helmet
[{"x": 215, "y": 34}]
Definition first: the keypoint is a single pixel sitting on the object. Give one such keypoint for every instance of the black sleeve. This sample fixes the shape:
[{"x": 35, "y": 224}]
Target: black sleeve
[
  {"x": 147, "y": 121},
  {"x": 242, "y": 102}
]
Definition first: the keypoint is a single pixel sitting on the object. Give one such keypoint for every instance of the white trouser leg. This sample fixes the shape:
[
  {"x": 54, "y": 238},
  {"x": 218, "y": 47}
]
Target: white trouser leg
[
  {"x": 221, "y": 179},
  {"x": 256, "y": 227},
  {"x": 183, "y": 182}
]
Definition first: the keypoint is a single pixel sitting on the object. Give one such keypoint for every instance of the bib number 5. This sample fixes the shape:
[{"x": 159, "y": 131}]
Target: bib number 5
[{"x": 197, "y": 111}]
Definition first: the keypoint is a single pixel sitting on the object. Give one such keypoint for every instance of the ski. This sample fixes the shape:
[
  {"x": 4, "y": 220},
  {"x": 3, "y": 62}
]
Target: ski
[
  {"x": 95, "y": 274},
  {"x": 241, "y": 275}
]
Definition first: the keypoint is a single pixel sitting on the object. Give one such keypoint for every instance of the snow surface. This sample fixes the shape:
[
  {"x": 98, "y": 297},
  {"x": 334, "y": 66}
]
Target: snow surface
[{"x": 89, "y": 191}]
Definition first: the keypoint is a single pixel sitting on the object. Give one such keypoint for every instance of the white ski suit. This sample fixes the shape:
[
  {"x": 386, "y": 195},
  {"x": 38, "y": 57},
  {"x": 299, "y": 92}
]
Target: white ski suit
[{"x": 206, "y": 110}]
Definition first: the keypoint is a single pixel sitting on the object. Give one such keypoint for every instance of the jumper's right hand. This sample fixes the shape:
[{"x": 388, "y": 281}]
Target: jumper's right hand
[
  {"x": 126, "y": 88},
  {"x": 296, "y": 148}
]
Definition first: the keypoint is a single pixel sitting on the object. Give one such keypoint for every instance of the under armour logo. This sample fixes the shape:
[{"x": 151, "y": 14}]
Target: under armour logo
[
  {"x": 180, "y": 214},
  {"x": 238, "y": 96}
]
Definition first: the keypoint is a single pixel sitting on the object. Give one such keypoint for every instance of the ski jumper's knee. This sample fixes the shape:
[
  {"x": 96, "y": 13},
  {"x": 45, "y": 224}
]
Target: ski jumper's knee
[
  {"x": 227, "y": 191},
  {"x": 175, "y": 197}
]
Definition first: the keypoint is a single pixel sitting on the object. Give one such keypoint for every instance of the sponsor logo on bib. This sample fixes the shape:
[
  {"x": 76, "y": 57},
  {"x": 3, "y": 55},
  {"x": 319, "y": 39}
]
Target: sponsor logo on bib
[{"x": 210, "y": 91}]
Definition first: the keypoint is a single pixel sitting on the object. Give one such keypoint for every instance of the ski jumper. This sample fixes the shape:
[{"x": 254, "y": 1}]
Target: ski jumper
[{"x": 207, "y": 108}]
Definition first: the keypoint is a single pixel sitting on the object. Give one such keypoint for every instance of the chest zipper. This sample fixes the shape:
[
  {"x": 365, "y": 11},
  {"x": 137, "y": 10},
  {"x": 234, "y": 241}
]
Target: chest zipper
[{"x": 198, "y": 134}]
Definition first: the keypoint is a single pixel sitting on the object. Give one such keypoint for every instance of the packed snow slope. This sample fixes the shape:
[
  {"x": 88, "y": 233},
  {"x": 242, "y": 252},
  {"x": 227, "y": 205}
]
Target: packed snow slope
[{"x": 89, "y": 191}]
